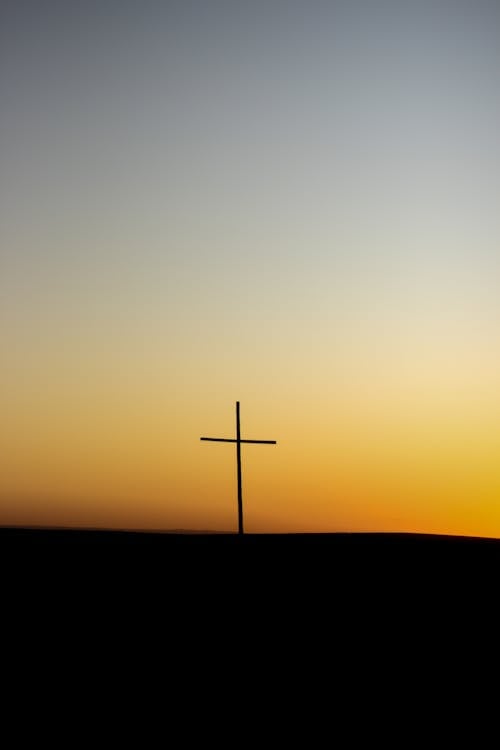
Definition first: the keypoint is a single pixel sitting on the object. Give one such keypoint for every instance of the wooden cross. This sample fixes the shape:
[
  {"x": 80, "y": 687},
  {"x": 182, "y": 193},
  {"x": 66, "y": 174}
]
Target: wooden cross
[{"x": 238, "y": 442}]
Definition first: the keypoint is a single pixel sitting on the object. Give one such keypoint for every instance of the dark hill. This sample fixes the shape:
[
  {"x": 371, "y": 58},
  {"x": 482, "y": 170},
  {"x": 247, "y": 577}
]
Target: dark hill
[
  {"x": 301, "y": 560},
  {"x": 287, "y": 590}
]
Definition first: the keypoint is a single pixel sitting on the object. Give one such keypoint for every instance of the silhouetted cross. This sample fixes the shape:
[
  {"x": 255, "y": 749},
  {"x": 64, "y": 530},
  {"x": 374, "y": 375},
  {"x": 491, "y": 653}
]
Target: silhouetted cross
[{"x": 238, "y": 442}]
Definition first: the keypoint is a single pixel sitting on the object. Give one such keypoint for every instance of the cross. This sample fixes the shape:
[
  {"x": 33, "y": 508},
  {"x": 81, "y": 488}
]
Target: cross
[{"x": 238, "y": 442}]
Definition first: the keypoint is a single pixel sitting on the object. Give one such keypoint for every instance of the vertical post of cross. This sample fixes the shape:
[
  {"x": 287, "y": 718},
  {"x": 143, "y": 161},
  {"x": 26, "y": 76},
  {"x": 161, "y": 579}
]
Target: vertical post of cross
[{"x": 238, "y": 462}]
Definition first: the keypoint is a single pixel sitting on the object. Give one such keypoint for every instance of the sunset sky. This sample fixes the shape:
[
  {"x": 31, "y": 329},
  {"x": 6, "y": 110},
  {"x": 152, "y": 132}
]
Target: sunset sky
[{"x": 291, "y": 204}]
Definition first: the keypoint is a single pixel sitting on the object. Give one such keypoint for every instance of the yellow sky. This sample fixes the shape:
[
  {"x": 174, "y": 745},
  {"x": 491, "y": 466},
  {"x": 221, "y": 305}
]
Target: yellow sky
[{"x": 377, "y": 459}]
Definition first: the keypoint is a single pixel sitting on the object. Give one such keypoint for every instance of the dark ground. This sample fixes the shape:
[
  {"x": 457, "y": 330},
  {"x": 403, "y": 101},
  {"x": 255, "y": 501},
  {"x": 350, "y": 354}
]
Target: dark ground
[
  {"x": 209, "y": 564},
  {"x": 139, "y": 597}
]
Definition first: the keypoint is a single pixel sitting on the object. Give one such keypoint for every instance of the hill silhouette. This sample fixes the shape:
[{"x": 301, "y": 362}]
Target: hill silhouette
[
  {"x": 181, "y": 557},
  {"x": 345, "y": 586}
]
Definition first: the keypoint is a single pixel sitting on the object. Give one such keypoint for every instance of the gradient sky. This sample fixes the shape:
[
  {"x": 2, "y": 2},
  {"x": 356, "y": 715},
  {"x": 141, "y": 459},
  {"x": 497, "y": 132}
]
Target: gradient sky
[{"x": 293, "y": 204}]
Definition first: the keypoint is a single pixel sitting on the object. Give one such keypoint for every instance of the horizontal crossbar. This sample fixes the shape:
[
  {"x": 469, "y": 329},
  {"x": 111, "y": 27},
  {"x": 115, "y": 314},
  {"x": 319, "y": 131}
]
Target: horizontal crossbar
[{"x": 232, "y": 440}]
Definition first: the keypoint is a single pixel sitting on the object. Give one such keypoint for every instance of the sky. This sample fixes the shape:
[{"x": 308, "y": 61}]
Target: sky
[{"x": 290, "y": 204}]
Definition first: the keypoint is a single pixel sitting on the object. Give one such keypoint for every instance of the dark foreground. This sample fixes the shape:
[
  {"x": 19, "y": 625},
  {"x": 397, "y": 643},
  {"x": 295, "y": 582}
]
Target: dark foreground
[
  {"x": 221, "y": 594},
  {"x": 83, "y": 545},
  {"x": 168, "y": 562}
]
